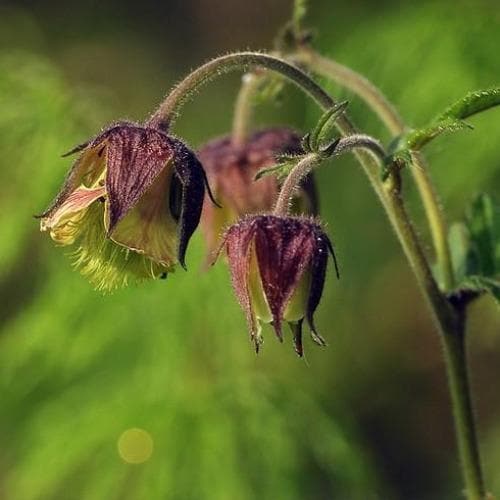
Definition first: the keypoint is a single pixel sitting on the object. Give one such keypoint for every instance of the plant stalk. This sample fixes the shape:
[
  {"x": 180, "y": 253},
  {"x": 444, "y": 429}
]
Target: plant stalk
[
  {"x": 451, "y": 327},
  {"x": 387, "y": 113},
  {"x": 239, "y": 61},
  {"x": 292, "y": 182},
  {"x": 455, "y": 353},
  {"x": 243, "y": 109},
  {"x": 312, "y": 160}
]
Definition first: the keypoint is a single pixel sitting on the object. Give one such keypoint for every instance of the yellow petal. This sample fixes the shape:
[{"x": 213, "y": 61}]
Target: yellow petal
[
  {"x": 149, "y": 228},
  {"x": 104, "y": 263},
  {"x": 65, "y": 223}
]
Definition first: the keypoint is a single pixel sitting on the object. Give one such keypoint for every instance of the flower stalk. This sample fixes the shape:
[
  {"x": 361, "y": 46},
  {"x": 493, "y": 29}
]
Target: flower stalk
[
  {"x": 313, "y": 159},
  {"x": 243, "y": 109},
  {"x": 451, "y": 327},
  {"x": 292, "y": 182},
  {"x": 238, "y": 61},
  {"x": 388, "y": 114},
  {"x": 454, "y": 349}
]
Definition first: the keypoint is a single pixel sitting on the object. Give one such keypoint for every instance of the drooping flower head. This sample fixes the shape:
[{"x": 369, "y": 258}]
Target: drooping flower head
[
  {"x": 278, "y": 267},
  {"x": 231, "y": 170},
  {"x": 130, "y": 204}
]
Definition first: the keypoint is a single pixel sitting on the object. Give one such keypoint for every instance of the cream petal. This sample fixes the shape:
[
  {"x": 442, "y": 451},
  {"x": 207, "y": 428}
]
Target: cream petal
[
  {"x": 64, "y": 222},
  {"x": 148, "y": 228},
  {"x": 84, "y": 173}
]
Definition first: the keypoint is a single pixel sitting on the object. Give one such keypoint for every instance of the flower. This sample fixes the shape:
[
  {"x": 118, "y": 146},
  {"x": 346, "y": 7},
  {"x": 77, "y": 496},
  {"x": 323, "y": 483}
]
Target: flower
[
  {"x": 231, "y": 170},
  {"x": 130, "y": 202},
  {"x": 278, "y": 267}
]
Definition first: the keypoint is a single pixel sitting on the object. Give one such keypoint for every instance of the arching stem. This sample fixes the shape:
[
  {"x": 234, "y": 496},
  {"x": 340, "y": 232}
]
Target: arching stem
[
  {"x": 387, "y": 113},
  {"x": 243, "y": 109},
  {"x": 311, "y": 160},
  {"x": 239, "y": 61},
  {"x": 292, "y": 182}
]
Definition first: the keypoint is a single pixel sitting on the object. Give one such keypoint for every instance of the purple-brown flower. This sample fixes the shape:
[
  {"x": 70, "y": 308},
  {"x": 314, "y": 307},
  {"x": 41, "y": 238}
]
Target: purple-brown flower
[
  {"x": 130, "y": 203},
  {"x": 278, "y": 267},
  {"x": 231, "y": 170}
]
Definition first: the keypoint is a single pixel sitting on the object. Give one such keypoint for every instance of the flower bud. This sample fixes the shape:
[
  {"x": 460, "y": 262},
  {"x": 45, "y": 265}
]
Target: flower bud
[
  {"x": 278, "y": 267},
  {"x": 130, "y": 203},
  {"x": 231, "y": 170}
]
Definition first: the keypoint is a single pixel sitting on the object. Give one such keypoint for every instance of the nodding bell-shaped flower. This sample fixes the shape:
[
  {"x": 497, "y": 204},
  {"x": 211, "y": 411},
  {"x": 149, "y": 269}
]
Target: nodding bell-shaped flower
[
  {"x": 278, "y": 267},
  {"x": 130, "y": 204},
  {"x": 231, "y": 170}
]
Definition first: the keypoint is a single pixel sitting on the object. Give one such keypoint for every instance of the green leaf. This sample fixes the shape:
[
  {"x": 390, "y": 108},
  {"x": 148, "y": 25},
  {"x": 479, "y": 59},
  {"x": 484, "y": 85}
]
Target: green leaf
[
  {"x": 418, "y": 138},
  {"x": 477, "y": 285},
  {"x": 489, "y": 285},
  {"x": 323, "y": 128},
  {"x": 280, "y": 170},
  {"x": 452, "y": 119},
  {"x": 483, "y": 222},
  {"x": 475, "y": 248},
  {"x": 471, "y": 104},
  {"x": 313, "y": 142}
]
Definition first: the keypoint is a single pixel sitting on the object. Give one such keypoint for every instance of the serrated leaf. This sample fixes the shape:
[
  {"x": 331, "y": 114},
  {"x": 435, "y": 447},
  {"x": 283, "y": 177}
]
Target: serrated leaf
[
  {"x": 490, "y": 285},
  {"x": 480, "y": 285},
  {"x": 418, "y": 138},
  {"x": 475, "y": 249},
  {"x": 280, "y": 170},
  {"x": 483, "y": 223},
  {"x": 323, "y": 128},
  {"x": 452, "y": 119},
  {"x": 471, "y": 104}
]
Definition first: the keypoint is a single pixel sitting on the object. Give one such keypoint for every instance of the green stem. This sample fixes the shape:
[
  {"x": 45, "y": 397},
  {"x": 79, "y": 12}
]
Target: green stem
[
  {"x": 435, "y": 219},
  {"x": 373, "y": 96},
  {"x": 311, "y": 160},
  {"x": 292, "y": 182},
  {"x": 450, "y": 328},
  {"x": 243, "y": 109},
  {"x": 451, "y": 324},
  {"x": 357, "y": 84},
  {"x": 456, "y": 365}
]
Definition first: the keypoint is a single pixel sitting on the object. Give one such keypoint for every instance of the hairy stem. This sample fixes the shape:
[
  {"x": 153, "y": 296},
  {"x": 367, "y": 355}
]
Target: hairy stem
[
  {"x": 456, "y": 364},
  {"x": 311, "y": 160},
  {"x": 451, "y": 329},
  {"x": 243, "y": 109},
  {"x": 451, "y": 326},
  {"x": 357, "y": 84},
  {"x": 239, "y": 61},
  {"x": 292, "y": 182},
  {"x": 374, "y": 97},
  {"x": 360, "y": 141},
  {"x": 435, "y": 218}
]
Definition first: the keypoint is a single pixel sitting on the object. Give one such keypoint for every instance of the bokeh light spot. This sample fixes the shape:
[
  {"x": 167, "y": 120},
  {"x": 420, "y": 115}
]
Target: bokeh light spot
[{"x": 135, "y": 446}]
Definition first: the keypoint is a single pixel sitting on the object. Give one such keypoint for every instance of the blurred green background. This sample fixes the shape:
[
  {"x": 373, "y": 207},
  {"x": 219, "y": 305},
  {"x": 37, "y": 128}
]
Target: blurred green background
[{"x": 366, "y": 418}]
